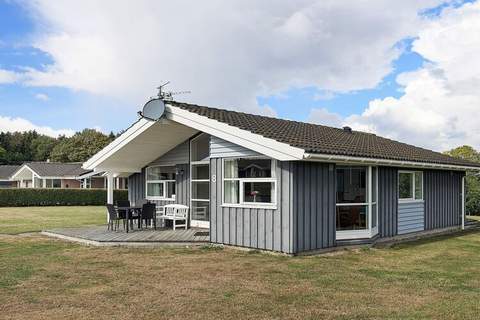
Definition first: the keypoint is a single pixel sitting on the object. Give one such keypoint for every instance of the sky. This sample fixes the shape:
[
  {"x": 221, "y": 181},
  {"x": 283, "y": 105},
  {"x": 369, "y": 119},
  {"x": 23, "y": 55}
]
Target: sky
[{"x": 407, "y": 70}]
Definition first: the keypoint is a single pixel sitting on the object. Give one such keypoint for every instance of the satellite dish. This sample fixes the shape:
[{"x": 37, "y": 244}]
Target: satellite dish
[{"x": 153, "y": 109}]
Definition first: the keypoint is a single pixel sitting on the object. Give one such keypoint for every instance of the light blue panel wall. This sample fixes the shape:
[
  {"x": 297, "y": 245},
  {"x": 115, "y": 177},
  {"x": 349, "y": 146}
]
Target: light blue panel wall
[
  {"x": 223, "y": 149},
  {"x": 411, "y": 217},
  {"x": 179, "y": 154}
]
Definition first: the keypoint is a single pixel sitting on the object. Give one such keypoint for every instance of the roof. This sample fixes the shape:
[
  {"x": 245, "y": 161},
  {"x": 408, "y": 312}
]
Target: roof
[
  {"x": 319, "y": 139},
  {"x": 57, "y": 169},
  {"x": 6, "y": 171}
]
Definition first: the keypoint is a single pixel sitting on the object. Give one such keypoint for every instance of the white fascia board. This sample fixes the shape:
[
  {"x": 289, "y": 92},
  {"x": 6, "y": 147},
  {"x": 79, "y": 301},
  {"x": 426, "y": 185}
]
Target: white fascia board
[
  {"x": 384, "y": 162},
  {"x": 119, "y": 170},
  {"x": 244, "y": 138},
  {"x": 135, "y": 130},
  {"x": 25, "y": 166}
]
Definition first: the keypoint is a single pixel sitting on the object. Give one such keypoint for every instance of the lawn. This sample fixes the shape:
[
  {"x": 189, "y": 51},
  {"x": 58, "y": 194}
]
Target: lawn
[
  {"x": 44, "y": 278},
  {"x": 29, "y": 219}
]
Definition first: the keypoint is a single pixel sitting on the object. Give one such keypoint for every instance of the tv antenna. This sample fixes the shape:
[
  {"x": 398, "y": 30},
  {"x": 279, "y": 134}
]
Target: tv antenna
[{"x": 168, "y": 95}]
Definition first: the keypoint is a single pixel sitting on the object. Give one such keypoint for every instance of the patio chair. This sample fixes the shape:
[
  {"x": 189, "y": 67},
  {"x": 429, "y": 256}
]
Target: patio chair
[
  {"x": 122, "y": 213},
  {"x": 176, "y": 212},
  {"x": 113, "y": 218},
  {"x": 149, "y": 215}
]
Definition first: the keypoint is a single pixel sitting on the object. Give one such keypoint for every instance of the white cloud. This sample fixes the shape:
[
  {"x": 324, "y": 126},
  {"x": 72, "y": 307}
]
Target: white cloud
[
  {"x": 42, "y": 96},
  {"x": 226, "y": 52},
  {"x": 441, "y": 104},
  {"x": 324, "y": 117},
  {"x": 8, "y": 124},
  {"x": 7, "y": 76}
]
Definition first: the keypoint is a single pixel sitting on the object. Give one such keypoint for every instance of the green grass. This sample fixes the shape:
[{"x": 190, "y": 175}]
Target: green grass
[
  {"x": 43, "y": 278},
  {"x": 32, "y": 219},
  {"x": 51, "y": 279}
]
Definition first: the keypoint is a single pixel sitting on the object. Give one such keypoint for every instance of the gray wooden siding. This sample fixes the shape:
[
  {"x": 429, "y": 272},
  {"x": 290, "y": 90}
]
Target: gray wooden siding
[
  {"x": 411, "y": 217},
  {"x": 387, "y": 201},
  {"x": 269, "y": 229},
  {"x": 136, "y": 187},
  {"x": 223, "y": 149},
  {"x": 443, "y": 198},
  {"x": 314, "y": 192},
  {"x": 179, "y": 154}
]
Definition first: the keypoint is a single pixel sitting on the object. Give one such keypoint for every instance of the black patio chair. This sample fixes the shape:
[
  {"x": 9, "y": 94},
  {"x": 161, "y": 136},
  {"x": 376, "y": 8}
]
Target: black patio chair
[
  {"x": 113, "y": 218},
  {"x": 149, "y": 213},
  {"x": 122, "y": 213}
]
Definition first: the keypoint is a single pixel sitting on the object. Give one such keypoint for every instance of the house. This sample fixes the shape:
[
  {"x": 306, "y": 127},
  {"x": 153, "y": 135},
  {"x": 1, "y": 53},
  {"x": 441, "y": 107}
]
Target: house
[
  {"x": 56, "y": 175},
  {"x": 6, "y": 172},
  {"x": 280, "y": 185}
]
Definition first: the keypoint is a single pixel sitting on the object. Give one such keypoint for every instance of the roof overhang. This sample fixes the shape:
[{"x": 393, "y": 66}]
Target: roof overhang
[
  {"x": 384, "y": 162},
  {"x": 146, "y": 140},
  {"x": 143, "y": 142}
]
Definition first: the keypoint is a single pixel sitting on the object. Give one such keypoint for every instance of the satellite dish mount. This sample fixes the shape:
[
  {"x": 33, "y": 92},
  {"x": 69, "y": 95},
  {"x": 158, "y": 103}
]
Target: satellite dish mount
[{"x": 155, "y": 107}]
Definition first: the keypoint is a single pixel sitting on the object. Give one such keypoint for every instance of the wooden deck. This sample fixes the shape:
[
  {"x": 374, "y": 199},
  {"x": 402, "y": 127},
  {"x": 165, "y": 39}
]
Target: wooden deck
[{"x": 100, "y": 235}]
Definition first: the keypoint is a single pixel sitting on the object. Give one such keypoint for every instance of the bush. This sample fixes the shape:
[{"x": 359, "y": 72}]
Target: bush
[{"x": 57, "y": 197}]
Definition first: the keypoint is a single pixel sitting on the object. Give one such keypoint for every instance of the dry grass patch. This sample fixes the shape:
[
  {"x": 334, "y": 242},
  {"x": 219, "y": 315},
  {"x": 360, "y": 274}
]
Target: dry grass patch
[{"x": 58, "y": 280}]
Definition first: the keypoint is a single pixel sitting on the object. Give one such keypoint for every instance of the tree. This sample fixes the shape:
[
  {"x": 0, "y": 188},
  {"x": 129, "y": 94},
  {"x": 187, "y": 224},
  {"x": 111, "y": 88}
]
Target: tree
[
  {"x": 3, "y": 155},
  {"x": 80, "y": 147},
  {"x": 465, "y": 152},
  {"x": 472, "y": 180},
  {"x": 41, "y": 147}
]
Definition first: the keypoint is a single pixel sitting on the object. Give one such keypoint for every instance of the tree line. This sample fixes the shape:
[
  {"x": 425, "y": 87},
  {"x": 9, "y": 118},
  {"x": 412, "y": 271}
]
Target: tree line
[
  {"x": 472, "y": 180},
  {"x": 19, "y": 147}
]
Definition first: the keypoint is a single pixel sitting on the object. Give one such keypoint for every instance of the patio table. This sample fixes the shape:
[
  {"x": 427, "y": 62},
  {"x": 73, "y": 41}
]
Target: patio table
[{"x": 127, "y": 212}]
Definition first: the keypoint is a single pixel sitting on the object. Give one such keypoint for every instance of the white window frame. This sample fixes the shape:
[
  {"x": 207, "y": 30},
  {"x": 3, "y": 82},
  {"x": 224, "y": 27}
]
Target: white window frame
[
  {"x": 370, "y": 231},
  {"x": 413, "y": 199},
  {"x": 164, "y": 182},
  {"x": 193, "y": 222},
  {"x": 241, "y": 203}
]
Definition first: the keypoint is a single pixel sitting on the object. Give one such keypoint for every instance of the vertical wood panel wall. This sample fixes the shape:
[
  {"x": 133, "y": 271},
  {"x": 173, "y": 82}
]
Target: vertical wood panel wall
[
  {"x": 443, "y": 198},
  {"x": 268, "y": 229},
  {"x": 387, "y": 201},
  {"x": 314, "y": 205}
]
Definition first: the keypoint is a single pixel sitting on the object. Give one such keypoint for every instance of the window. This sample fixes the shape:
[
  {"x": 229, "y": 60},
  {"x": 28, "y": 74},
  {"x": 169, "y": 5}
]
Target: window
[
  {"x": 161, "y": 182},
  {"x": 352, "y": 203},
  {"x": 410, "y": 185},
  {"x": 356, "y": 206},
  {"x": 53, "y": 183},
  {"x": 248, "y": 181}
]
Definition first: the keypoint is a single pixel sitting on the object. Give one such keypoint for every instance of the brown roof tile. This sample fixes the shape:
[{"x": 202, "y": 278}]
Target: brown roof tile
[{"x": 320, "y": 139}]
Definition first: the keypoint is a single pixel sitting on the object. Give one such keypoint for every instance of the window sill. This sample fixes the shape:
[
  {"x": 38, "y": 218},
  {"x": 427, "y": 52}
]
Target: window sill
[{"x": 250, "y": 206}]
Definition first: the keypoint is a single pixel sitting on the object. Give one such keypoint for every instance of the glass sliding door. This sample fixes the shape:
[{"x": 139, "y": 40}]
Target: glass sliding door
[
  {"x": 356, "y": 208},
  {"x": 200, "y": 181}
]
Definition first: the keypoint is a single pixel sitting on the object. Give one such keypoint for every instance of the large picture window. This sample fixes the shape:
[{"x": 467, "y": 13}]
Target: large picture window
[
  {"x": 53, "y": 183},
  {"x": 160, "y": 182},
  {"x": 249, "y": 181},
  {"x": 356, "y": 203},
  {"x": 410, "y": 185}
]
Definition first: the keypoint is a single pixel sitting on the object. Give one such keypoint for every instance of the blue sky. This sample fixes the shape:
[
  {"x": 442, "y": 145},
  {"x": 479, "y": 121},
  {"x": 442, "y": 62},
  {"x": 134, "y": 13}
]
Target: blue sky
[{"x": 53, "y": 98}]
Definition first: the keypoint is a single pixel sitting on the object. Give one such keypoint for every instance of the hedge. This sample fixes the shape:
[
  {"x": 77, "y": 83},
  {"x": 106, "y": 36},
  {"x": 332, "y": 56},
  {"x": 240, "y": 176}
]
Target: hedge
[{"x": 57, "y": 197}]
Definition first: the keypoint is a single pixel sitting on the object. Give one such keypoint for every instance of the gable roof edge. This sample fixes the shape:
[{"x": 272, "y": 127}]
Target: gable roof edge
[{"x": 269, "y": 147}]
